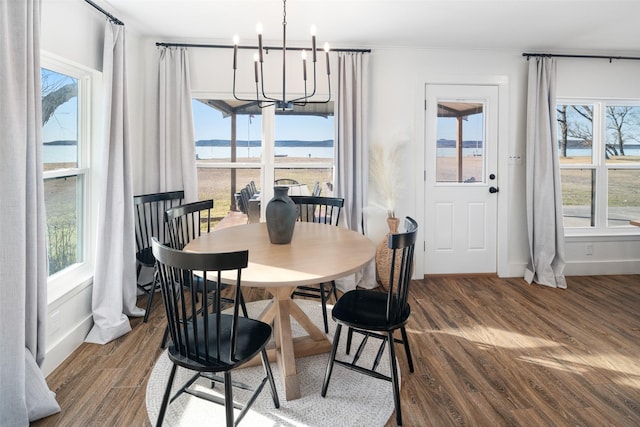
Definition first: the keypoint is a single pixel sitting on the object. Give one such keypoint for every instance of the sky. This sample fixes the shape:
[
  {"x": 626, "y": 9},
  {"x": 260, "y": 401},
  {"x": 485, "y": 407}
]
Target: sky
[
  {"x": 63, "y": 125},
  {"x": 472, "y": 128}
]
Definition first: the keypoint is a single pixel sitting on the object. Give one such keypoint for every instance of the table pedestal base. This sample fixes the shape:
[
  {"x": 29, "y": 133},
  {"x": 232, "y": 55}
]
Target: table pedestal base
[{"x": 286, "y": 349}]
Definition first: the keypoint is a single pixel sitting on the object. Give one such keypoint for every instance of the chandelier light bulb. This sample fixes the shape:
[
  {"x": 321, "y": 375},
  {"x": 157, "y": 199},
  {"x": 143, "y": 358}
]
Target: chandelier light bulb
[
  {"x": 259, "y": 28},
  {"x": 304, "y": 65},
  {"x": 326, "y": 54},
  {"x": 255, "y": 65},
  {"x": 236, "y": 40},
  {"x": 312, "y": 30}
]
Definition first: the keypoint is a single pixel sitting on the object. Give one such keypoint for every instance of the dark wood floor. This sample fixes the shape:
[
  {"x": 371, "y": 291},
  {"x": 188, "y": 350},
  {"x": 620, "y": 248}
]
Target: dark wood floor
[{"x": 487, "y": 352}]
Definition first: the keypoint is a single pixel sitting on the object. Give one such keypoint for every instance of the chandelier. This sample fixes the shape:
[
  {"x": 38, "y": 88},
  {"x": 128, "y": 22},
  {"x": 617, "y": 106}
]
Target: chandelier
[{"x": 262, "y": 99}]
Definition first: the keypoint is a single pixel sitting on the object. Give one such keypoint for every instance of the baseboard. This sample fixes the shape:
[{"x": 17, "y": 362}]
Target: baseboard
[
  {"x": 592, "y": 268},
  {"x": 57, "y": 352}
]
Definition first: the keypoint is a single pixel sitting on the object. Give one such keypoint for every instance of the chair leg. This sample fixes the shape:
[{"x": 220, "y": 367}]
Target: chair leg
[
  {"x": 332, "y": 357},
  {"x": 349, "y": 339},
  {"x": 323, "y": 298},
  {"x": 272, "y": 383},
  {"x": 228, "y": 399},
  {"x": 407, "y": 350},
  {"x": 165, "y": 398},
  {"x": 152, "y": 291},
  {"x": 243, "y": 306},
  {"x": 165, "y": 337},
  {"x": 333, "y": 290},
  {"x": 394, "y": 378}
]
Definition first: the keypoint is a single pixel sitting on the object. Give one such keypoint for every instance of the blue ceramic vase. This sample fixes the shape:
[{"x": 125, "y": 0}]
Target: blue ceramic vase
[{"x": 281, "y": 216}]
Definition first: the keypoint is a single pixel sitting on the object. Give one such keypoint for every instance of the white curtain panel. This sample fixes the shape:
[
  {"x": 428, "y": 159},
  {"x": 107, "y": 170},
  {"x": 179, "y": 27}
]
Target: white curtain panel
[
  {"x": 114, "y": 283},
  {"x": 543, "y": 190},
  {"x": 352, "y": 154},
  {"x": 176, "y": 136},
  {"x": 24, "y": 394}
]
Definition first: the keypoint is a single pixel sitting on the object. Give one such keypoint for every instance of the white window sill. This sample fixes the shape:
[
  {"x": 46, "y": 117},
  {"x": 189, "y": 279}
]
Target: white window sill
[{"x": 68, "y": 281}]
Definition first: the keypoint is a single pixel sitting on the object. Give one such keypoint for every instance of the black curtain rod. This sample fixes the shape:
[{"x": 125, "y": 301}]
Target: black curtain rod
[
  {"x": 230, "y": 46},
  {"x": 107, "y": 14},
  {"x": 553, "y": 55}
]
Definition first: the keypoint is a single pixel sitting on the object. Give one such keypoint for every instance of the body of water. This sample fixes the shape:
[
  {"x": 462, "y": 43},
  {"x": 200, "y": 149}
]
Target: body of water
[
  {"x": 571, "y": 152},
  {"x": 68, "y": 153},
  {"x": 204, "y": 153}
]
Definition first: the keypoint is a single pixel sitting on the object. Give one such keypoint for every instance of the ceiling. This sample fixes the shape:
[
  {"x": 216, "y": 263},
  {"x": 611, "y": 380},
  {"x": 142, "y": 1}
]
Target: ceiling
[{"x": 604, "y": 26}]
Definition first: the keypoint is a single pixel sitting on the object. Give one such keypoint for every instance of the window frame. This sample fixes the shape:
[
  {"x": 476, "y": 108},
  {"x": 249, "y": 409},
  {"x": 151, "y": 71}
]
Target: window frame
[
  {"x": 80, "y": 274},
  {"x": 267, "y": 164},
  {"x": 600, "y": 166}
]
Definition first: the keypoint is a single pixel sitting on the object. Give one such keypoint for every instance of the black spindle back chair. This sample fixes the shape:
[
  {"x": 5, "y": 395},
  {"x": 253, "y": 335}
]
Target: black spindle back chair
[
  {"x": 149, "y": 222},
  {"x": 378, "y": 315},
  {"x": 209, "y": 342},
  {"x": 185, "y": 223},
  {"x": 325, "y": 210}
]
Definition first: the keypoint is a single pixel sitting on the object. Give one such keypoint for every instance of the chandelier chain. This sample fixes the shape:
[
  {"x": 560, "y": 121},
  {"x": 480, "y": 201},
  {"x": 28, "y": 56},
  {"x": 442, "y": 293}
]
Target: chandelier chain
[{"x": 284, "y": 12}]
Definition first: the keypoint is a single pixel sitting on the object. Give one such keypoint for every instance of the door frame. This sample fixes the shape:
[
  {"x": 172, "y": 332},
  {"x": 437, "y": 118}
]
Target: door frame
[{"x": 502, "y": 83}]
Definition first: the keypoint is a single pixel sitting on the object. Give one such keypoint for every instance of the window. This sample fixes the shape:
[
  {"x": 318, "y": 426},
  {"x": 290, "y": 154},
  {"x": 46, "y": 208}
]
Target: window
[
  {"x": 65, "y": 130},
  {"x": 460, "y": 144},
  {"x": 238, "y": 143},
  {"x": 599, "y": 151}
]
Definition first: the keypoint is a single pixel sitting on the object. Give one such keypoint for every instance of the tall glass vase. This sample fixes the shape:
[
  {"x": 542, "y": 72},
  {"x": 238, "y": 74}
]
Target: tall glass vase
[{"x": 281, "y": 216}]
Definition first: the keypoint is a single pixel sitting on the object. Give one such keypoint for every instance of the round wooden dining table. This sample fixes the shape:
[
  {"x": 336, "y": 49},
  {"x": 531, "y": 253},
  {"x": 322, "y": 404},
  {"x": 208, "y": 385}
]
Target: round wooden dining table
[{"x": 317, "y": 253}]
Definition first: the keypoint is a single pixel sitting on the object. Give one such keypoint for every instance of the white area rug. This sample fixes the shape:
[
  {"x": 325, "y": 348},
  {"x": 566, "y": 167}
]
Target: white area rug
[{"x": 353, "y": 399}]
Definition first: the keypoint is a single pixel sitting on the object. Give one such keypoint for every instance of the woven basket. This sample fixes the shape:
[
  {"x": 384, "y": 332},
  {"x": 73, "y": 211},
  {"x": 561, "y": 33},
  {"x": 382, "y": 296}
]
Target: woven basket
[{"x": 383, "y": 255}]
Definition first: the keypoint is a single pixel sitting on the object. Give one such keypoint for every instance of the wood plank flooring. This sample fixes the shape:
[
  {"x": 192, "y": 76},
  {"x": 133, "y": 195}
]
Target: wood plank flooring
[{"x": 487, "y": 352}]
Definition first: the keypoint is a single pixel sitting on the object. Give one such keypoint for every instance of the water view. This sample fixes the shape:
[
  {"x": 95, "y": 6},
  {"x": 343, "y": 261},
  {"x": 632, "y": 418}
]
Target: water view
[{"x": 68, "y": 153}]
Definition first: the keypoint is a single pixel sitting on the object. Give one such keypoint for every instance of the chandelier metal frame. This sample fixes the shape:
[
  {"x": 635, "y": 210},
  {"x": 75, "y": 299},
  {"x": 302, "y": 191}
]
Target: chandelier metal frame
[{"x": 262, "y": 99}]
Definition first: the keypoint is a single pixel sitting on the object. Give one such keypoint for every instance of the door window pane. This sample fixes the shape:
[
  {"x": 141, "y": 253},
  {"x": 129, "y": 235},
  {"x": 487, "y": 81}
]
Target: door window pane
[{"x": 460, "y": 145}]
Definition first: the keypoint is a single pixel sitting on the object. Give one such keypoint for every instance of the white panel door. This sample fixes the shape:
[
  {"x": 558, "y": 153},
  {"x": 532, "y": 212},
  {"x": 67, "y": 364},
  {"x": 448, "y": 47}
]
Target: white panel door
[{"x": 461, "y": 188}]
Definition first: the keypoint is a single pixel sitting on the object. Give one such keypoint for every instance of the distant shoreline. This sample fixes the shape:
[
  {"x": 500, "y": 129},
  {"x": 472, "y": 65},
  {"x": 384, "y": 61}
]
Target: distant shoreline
[{"x": 227, "y": 143}]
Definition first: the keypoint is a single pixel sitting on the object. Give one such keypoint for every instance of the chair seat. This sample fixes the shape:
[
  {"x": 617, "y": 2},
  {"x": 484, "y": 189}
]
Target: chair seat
[
  {"x": 145, "y": 257},
  {"x": 365, "y": 309},
  {"x": 251, "y": 338}
]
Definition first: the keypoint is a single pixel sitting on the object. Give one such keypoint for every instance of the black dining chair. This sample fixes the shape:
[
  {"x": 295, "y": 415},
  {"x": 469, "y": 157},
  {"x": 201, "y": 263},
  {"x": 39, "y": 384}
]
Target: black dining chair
[
  {"x": 378, "y": 315},
  {"x": 149, "y": 223},
  {"x": 209, "y": 343},
  {"x": 187, "y": 222},
  {"x": 316, "y": 189},
  {"x": 285, "y": 181},
  {"x": 325, "y": 210}
]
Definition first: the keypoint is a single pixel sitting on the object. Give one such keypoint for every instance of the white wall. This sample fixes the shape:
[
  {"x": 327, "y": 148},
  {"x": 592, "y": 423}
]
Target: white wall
[
  {"x": 73, "y": 30},
  {"x": 398, "y": 79}
]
